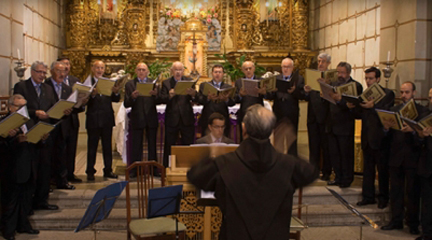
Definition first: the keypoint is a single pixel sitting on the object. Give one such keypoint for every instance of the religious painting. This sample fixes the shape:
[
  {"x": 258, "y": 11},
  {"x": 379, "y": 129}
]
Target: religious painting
[
  {"x": 175, "y": 13},
  {"x": 214, "y": 35},
  {"x": 168, "y": 34},
  {"x": 267, "y": 9},
  {"x": 107, "y": 9}
]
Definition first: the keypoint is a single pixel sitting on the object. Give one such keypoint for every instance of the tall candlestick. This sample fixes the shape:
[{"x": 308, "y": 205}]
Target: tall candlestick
[
  {"x": 388, "y": 56},
  {"x": 19, "y": 54}
]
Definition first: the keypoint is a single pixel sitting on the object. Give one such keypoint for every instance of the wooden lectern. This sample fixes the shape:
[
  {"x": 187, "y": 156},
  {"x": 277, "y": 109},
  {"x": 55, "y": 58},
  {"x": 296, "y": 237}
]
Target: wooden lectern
[{"x": 182, "y": 158}]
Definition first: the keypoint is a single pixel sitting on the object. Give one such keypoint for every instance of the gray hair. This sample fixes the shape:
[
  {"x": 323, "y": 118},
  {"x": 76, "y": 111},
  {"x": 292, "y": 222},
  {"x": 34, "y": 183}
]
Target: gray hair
[
  {"x": 259, "y": 122},
  {"x": 14, "y": 97},
  {"x": 346, "y": 65},
  {"x": 53, "y": 64},
  {"x": 37, "y": 63},
  {"x": 325, "y": 56}
]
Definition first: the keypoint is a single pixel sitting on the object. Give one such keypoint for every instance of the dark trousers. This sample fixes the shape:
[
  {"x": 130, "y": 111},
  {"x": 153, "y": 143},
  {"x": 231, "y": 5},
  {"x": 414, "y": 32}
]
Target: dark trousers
[
  {"x": 405, "y": 183},
  {"x": 318, "y": 146},
  {"x": 71, "y": 148},
  {"x": 59, "y": 158},
  {"x": 137, "y": 137},
  {"x": 378, "y": 158},
  {"x": 426, "y": 206},
  {"x": 94, "y": 134},
  {"x": 16, "y": 204},
  {"x": 171, "y": 136},
  {"x": 342, "y": 157},
  {"x": 43, "y": 174}
]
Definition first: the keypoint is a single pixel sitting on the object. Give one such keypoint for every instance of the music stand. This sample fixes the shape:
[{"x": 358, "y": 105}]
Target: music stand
[
  {"x": 101, "y": 205},
  {"x": 165, "y": 201}
]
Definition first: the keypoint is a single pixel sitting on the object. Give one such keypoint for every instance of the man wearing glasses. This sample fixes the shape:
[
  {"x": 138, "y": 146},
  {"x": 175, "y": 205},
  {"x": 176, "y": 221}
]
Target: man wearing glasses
[
  {"x": 40, "y": 98},
  {"x": 216, "y": 125}
]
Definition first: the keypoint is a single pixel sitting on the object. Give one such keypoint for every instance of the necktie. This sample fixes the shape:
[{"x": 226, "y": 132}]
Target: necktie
[
  {"x": 58, "y": 86},
  {"x": 38, "y": 90},
  {"x": 67, "y": 80}
]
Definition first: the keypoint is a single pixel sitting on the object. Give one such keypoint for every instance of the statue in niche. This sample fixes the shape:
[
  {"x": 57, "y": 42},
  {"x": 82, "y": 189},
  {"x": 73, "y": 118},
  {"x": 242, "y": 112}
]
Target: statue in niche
[
  {"x": 214, "y": 35},
  {"x": 168, "y": 34}
]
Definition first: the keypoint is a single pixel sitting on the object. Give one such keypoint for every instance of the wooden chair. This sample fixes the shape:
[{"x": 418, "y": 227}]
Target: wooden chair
[
  {"x": 162, "y": 228},
  {"x": 297, "y": 225}
]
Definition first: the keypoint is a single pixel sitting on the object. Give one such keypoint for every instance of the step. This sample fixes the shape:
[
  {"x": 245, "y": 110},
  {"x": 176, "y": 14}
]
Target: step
[
  {"x": 81, "y": 198},
  {"x": 314, "y": 216}
]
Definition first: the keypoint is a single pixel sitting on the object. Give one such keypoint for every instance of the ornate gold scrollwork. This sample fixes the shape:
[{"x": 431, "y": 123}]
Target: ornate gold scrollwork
[
  {"x": 193, "y": 222},
  {"x": 78, "y": 63},
  {"x": 246, "y": 20},
  {"x": 300, "y": 24},
  {"x": 77, "y": 24}
]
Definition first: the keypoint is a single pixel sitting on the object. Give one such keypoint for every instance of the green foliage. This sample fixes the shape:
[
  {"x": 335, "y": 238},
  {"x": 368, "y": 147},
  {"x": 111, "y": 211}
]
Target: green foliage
[
  {"x": 156, "y": 68},
  {"x": 234, "y": 70}
]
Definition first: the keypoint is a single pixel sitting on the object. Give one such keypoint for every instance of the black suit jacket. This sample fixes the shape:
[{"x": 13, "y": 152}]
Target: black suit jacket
[
  {"x": 405, "y": 148},
  {"x": 143, "y": 111},
  {"x": 372, "y": 135},
  {"x": 210, "y": 107},
  {"x": 286, "y": 104},
  {"x": 44, "y": 102},
  {"x": 318, "y": 108},
  {"x": 246, "y": 101},
  {"x": 425, "y": 163},
  {"x": 341, "y": 119},
  {"x": 72, "y": 80},
  {"x": 72, "y": 120},
  {"x": 17, "y": 158},
  {"x": 100, "y": 113},
  {"x": 178, "y": 108}
]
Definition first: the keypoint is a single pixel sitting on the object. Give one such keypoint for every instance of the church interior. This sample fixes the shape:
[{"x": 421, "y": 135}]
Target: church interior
[{"x": 392, "y": 35}]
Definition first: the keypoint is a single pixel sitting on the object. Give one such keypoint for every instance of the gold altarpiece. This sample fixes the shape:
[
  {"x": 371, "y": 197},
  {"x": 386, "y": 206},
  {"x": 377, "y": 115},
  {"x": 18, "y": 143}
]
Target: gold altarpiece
[{"x": 124, "y": 32}]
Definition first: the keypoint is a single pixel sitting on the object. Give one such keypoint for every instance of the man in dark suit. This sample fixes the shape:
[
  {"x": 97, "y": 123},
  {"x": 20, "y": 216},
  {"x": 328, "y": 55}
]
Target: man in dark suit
[
  {"x": 179, "y": 116},
  {"x": 248, "y": 68},
  {"x": 71, "y": 146},
  {"x": 341, "y": 131},
  {"x": 317, "y": 113},
  {"x": 17, "y": 176},
  {"x": 216, "y": 125},
  {"x": 62, "y": 133},
  {"x": 286, "y": 105},
  {"x": 254, "y": 186},
  {"x": 213, "y": 103},
  {"x": 99, "y": 124},
  {"x": 405, "y": 150},
  {"x": 374, "y": 144},
  {"x": 143, "y": 115},
  {"x": 40, "y": 98},
  {"x": 425, "y": 173}
]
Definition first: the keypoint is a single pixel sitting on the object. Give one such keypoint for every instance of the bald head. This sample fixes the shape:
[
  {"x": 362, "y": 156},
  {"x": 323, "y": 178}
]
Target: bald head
[
  {"x": 177, "y": 70},
  {"x": 98, "y": 68},
  {"x": 141, "y": 70},
  {"x": 248, "y": 68},
  {"x": 258, "y": 122},
  {"x": 287, "y": 67}
]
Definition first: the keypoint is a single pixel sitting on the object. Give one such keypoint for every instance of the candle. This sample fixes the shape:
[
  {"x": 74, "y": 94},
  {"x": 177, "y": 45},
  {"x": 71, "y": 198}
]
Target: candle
[
  {"x": 388, "y": 56},
  {"x": 19, "y": 55}
]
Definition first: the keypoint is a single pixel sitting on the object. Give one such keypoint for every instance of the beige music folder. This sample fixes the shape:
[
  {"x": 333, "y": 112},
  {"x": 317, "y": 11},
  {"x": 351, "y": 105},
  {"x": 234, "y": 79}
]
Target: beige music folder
[
  {"x": 35, "y": 134},
  {"x": 57, "y": 111},
  {"x": 104, "y": 86},
  {"x": 181, "y": 86},
  {"x": 390, "y": 116},
  {"x": 14, "y": 120},
  {"x": 145, "y": 88},
  {"x": 209, "y": 89},
  {"x": 347, "y": 89}
]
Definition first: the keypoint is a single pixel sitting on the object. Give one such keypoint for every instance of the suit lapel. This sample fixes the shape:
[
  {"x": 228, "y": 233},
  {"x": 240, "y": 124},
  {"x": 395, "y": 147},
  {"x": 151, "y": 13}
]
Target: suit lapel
[
  {"x": 172, "y": 82},
  {"x": 32, "y": 90}
]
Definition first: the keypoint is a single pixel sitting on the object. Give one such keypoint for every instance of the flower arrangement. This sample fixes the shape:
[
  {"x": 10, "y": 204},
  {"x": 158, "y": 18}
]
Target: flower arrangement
[
  {"x": 208, "y": 14},
  {"x": 172, "y": 13}
]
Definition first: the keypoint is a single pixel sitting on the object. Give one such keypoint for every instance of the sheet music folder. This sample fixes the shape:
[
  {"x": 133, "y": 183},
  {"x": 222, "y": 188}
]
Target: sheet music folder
[
  {"x": 101, "y": 205},
  {"x": 164, "y": 201}
]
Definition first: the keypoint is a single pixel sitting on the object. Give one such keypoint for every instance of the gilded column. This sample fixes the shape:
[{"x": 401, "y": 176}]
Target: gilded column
[
  {"x": 77, "y": 25},
  {"x": 135, "y": 21},
  {"x": 244, "y": 25},
  {"x": 300, "y": 24}
]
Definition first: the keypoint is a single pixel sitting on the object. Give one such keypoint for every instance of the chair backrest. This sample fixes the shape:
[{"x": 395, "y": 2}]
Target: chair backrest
[{"x": 145, "y": 180}]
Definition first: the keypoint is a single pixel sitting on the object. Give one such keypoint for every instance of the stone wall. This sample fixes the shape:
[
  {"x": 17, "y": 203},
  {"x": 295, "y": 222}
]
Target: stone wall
[
  {"x": 362, "y": 32},
  {"x": 348, "y": 30},
  {"x": 35, "y": 28}
]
